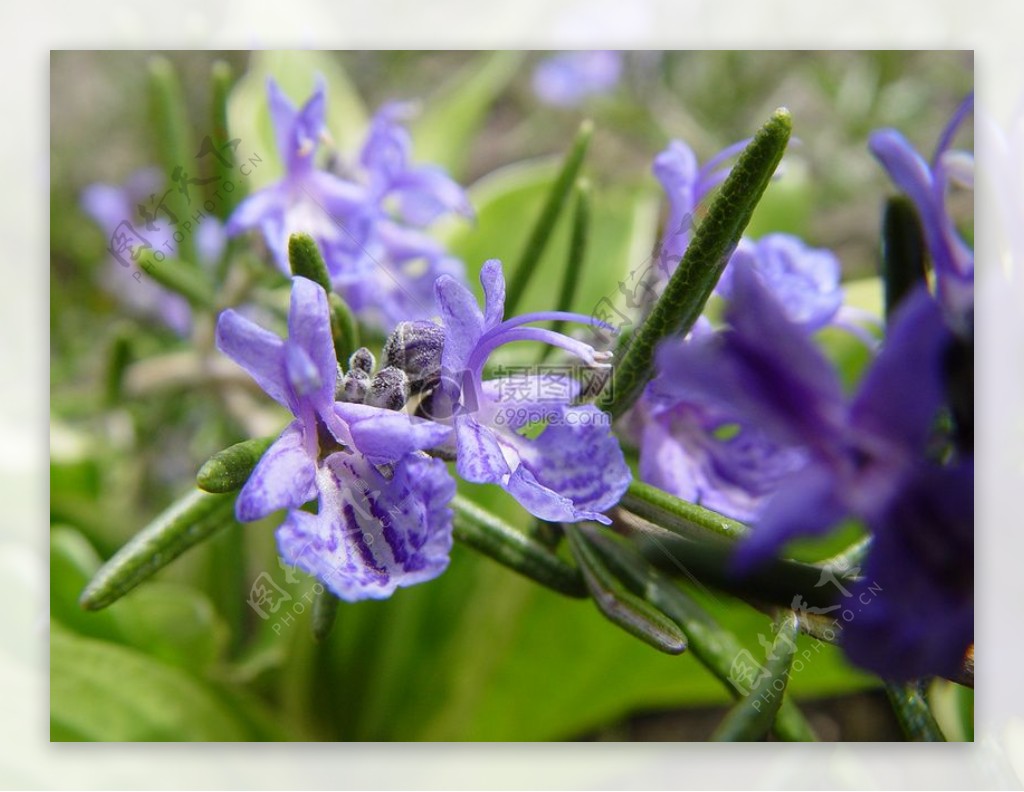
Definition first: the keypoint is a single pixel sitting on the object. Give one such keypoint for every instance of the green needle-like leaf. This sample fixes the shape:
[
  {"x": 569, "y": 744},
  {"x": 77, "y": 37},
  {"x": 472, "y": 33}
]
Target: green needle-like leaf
[
  {"x": 184, "y": 524},
  {"x": 717, "y": 649},
  {"x": 752, "y": 718},
  {"x": 343, "y": 328},
  {"x": 305, "y": 259},
  {"x": 552, "y": 210},
  {"x": 679, "y": 516},
  {"x": 118, "y": 358},
  {"x": 325, "y": 612},
  {"x": 573, "y": 273},
  {"x": 620, "y": 606},
  {"x": 903, "y": 264},
  {"x": 224, "y": 162},
  {"x": 489, "y": 535},
  {"x": 912, "y": 710},
  {"x": 170, "y": 118},
  {"x": 688, "y": 289},
  {"x": 179, "y": 276},
  {"x": 228, "y": 470}
]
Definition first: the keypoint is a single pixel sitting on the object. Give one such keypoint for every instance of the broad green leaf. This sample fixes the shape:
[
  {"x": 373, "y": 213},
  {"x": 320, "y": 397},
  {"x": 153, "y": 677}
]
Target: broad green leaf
[
  {"x": 444, "y": 133},
  {"x": 295, "y": 72},
  {"x": 103, "y": 692}
]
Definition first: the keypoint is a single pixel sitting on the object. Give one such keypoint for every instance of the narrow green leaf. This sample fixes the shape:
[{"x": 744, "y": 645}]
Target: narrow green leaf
[
  {"x": 170, "y": 118},
  {"x": 752, "y": 718},
  {"x": 343, "y": 328},
  {"x": 716, "y": 648},
  {"x": 180, "y": 276},
  {"x": 620, "y": 606},
  {"x": 573, "y": 272},
  {"x": 499, "y": 541},
  {"x": 912, "y": 710},
  {"x": 118, "y": 358},
  {"x": 228, "y": 470},
  {"x": 690, "y": 286},
  {"x": 184, "y": 524},
  {"x": 903, "y": 259},
  {"x": 306, "y": 261},
  {"x": 679, "y": 516},
  {"x": 224, "y": 161},
  {"x": 325, "y": 611},
  {"x": 554, "y": 204}
]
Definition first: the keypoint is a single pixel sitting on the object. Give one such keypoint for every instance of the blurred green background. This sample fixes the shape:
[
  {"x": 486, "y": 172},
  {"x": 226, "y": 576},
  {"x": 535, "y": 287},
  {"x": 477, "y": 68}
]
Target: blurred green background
[{"x": 478, "y": 654}]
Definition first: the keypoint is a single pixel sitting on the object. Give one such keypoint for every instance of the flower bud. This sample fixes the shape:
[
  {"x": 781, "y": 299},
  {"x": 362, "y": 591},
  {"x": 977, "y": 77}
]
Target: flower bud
[
  {"x": 354, "y": 387},
  {"x": 362, "y": 359},
  {"x": 415, "y": 348},
  {"x": 389, "y": 389}
]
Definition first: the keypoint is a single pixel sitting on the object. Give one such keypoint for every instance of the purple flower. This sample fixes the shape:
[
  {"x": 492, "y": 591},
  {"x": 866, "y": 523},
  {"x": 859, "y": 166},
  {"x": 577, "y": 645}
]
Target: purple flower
[
  {"x": 805, "y": 280},
  {"x": 917, "y": 585},
  {"x": 112, "y": 207},
  {"x": 386, "y": 266},
  {"x": 927, "y": 184},
  {"x": 306, "y": 199},
  {"x": 704, "y": 455},
  {"x": 568, "y": 78},
  {"x": 373, "y": 532},
  {"x": 686, "y": 184},
  {"x": 574, "y": 469},
  {"x": 869, "y": 456},
  {"x": 362, "y": 462}
]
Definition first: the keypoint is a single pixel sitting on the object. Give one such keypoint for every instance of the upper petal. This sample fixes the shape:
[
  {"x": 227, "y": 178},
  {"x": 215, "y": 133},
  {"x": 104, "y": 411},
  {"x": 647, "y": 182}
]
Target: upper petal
[
  {"x": 309, "y": 326},
  {"x": 462, "y": 319},
  {"x": 258, "y": 351}
]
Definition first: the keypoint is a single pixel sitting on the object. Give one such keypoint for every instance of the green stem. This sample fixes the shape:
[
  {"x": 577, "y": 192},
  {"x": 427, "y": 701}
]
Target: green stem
[
  {"x": 912, "y": 710},
  {"x": 752, "y": 717},
  {"x": 489, "y": 535}
]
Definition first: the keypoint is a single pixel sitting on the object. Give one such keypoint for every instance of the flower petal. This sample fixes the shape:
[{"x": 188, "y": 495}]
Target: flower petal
[
  {"x": 578, "y": 460},
  {"x": 372, "y": 534},
  {"x": 463, "y": 322},
  {"x": 905, "y": 386},
  {"x": 258, "y": 351},
  {"x": 283, "y": 478},
  {"x": 309, "y": 327},
  {"x": 480, "y": 458},
  {"x": 493, "y": 280},
  {"x": 387, "y": 435}
]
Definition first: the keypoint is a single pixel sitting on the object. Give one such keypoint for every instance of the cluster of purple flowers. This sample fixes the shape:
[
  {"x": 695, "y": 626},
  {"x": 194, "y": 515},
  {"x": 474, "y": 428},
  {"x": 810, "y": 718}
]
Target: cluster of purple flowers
[
  {"x": 369, "y": 226},
  {"x": 359, "y": 441},
  {"x": 752, "y": 420}
]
